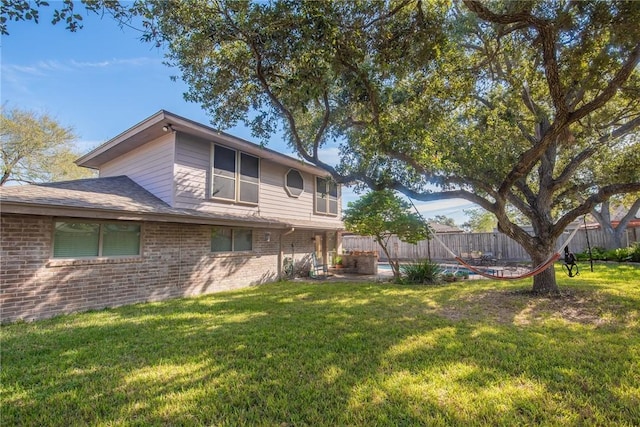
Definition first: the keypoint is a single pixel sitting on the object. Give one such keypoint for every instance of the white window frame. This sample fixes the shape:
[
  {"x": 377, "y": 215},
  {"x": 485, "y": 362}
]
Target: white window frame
[
  {"x": 238, "y": 179},
  {"x": 286, "y": 186}
]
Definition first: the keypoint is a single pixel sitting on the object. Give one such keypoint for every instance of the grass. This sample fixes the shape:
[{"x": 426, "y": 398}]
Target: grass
[{"x": 321, "y": 353}]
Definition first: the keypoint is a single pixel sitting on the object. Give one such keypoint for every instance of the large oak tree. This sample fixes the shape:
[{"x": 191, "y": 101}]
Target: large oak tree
[{"x": 508, "y": 104}]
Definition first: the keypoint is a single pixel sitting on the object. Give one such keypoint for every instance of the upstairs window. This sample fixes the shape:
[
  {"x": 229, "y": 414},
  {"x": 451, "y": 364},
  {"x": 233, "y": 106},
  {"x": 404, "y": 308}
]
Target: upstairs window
[
  {"x": 224, "y": 173},
  {"x": 326, "y": 196},
  {"x": 249, "y": 178},
  {"x": 75, "y": 239},
  {"x": 294, "y": 183},
  {"x": 235, "y": 176}
]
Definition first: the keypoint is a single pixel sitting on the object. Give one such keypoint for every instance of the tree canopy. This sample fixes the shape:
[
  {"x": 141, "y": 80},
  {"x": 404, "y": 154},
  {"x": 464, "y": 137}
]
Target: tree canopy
[
  {"x": 507, "y": 104},
  {"x": 36, "y": 148}
]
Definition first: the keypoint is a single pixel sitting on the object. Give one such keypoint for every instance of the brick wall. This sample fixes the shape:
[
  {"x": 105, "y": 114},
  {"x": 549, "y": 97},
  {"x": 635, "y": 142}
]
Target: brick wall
[{"x": 176, "y": 261}]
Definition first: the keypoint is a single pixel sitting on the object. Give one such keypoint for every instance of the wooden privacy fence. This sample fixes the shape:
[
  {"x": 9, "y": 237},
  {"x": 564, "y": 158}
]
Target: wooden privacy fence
[{"x": 501, "y": 246}]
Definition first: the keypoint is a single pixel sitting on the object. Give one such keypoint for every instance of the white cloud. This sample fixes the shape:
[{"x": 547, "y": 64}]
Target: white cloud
[
  {"x": 13, "y": 72},
  {"x": 330, "y": 155},
  {"x": 134, "y": 62},
  {"x": 52, "y": 65},
  {"x": 447, "y": 204},
  {"x": 22, "y": 69},
  {"x": 452, "y": 208}
]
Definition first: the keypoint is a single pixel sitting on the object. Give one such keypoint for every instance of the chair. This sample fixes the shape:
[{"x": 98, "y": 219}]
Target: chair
[
  {"x": 475, "y": 258},
  {"x": 318, "y": 270},
  {"x": 487, "y": 258}
]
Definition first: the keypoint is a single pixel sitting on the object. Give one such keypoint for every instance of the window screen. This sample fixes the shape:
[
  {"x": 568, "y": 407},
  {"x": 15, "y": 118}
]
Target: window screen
[
  {"x": 333, "y": 197},
  {"x": 326, "y": 196},
  {"x": 76, "y": 239},
  {"x": 242, "y": 240},
  {"x": 86, "y": 239},
  {"x": 236, "y": 175},
  {"x": 221, "y": 240},
  {"x": 224, "y": 239},
  {"x": 224, "y": 173},
  {"x": 249, "y": 173},
  {"x": 120, "y": 239},
  {"x": 224, "y": 161}
]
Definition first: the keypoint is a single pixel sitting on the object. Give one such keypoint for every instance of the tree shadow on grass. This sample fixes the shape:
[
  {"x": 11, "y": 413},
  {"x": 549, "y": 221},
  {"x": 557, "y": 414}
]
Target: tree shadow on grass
[{"x": 335, "y": 354}]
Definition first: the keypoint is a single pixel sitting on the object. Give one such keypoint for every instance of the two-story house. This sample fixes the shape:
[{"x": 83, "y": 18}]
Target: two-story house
[{"x": 178, "y": 209}]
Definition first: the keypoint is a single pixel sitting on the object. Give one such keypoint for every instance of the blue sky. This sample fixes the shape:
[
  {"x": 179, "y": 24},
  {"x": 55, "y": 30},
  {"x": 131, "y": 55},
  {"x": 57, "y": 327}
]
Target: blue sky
[{"x": 102, "y": 80}]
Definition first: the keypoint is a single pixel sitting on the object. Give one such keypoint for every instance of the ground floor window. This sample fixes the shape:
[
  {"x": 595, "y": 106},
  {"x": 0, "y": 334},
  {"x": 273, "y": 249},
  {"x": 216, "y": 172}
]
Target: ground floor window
[
  {"x": 225, "y": 239},
  {"x": 77, "y": 239}
]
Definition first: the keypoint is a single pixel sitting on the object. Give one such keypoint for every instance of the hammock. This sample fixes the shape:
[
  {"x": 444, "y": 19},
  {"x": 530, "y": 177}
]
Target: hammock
[{"x": 540, "y": 268}]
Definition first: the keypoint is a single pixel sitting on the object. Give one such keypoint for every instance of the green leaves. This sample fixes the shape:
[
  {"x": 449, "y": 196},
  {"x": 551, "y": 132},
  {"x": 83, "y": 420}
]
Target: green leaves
[
  {"x": 383, "y": 214},
  {"x": 35, "y": 148}
]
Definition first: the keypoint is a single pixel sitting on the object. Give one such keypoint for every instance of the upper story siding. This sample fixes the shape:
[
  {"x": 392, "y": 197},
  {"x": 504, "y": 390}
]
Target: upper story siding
[
  {"x": 151, "y": 166},
  {"x": 193, "y": 179},
  {"x": 171, "y": 157}
]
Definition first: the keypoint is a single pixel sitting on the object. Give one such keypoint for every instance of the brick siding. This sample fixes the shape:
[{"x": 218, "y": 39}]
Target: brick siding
[{"x": 176, "y": 261}]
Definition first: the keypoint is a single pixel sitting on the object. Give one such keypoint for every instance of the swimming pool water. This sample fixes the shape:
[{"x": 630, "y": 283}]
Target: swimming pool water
[{"x": 445, "y": 269}]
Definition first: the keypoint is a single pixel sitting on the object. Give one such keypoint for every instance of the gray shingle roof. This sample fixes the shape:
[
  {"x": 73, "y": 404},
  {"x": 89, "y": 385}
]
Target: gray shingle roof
[
  {"x": 442, "y": 228},
  {"x": 119, "y": 193},
  {"x": 113, "y": 194}
]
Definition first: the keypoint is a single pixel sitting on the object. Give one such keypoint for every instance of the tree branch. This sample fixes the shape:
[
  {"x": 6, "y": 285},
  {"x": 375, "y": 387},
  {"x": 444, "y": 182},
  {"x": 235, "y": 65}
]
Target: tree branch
[
  {"x": 629, "y": 215},
  {"x": 620, "y": 77},
  {"x": 588, "y": 205}
]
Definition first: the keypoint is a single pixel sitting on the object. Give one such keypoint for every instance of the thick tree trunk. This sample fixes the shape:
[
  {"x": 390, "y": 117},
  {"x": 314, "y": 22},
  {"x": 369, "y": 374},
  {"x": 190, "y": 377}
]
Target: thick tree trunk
[{"x": 545, "y": 281}]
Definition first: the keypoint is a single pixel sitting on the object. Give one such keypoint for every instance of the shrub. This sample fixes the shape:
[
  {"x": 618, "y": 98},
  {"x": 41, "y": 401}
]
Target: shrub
[
  {"x": 620, "y": 254},
  {"x": 634, "y": 252},
  {"x": 421, "y": 272}
]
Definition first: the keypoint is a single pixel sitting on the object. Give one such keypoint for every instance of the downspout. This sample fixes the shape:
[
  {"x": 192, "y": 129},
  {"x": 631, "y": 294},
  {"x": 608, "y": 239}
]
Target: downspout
[{"x": 281, "y": 251}]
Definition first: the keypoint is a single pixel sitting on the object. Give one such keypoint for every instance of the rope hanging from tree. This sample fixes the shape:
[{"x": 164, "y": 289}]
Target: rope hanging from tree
[{"x": 537, "y": 270}]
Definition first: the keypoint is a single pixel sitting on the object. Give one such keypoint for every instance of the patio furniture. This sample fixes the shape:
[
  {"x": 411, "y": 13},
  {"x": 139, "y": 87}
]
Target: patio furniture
[{"x": 318, "y": 269}]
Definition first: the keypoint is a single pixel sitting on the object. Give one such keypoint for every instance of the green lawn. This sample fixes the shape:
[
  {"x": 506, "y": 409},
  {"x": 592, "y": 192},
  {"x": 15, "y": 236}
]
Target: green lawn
[{"x": 321, "y": 353}]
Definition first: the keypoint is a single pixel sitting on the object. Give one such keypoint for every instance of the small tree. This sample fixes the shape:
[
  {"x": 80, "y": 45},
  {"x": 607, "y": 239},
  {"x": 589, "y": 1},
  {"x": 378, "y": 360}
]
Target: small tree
[
  {"x": 480, "y": 221},
  {"x": 36, "y": 148},
  {"x": 382, "y": 214}
]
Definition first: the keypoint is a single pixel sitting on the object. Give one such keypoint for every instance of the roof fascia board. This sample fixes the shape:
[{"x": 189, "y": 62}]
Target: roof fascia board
[
  {"x": 190, "y": 127},
  {"x": 61, "y": 211},
  {"x": 198, "y": 129},
  {"x": 145, "y": 124},
  {"x": 181, "y": 124}
]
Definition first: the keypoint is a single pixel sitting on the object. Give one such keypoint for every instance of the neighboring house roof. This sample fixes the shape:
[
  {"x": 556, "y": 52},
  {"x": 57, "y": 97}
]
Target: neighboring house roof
[
  {"x": 164, "y": 121},
  {"x": 114, "y": 198},
  {"x": 442, "y": 228}
]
